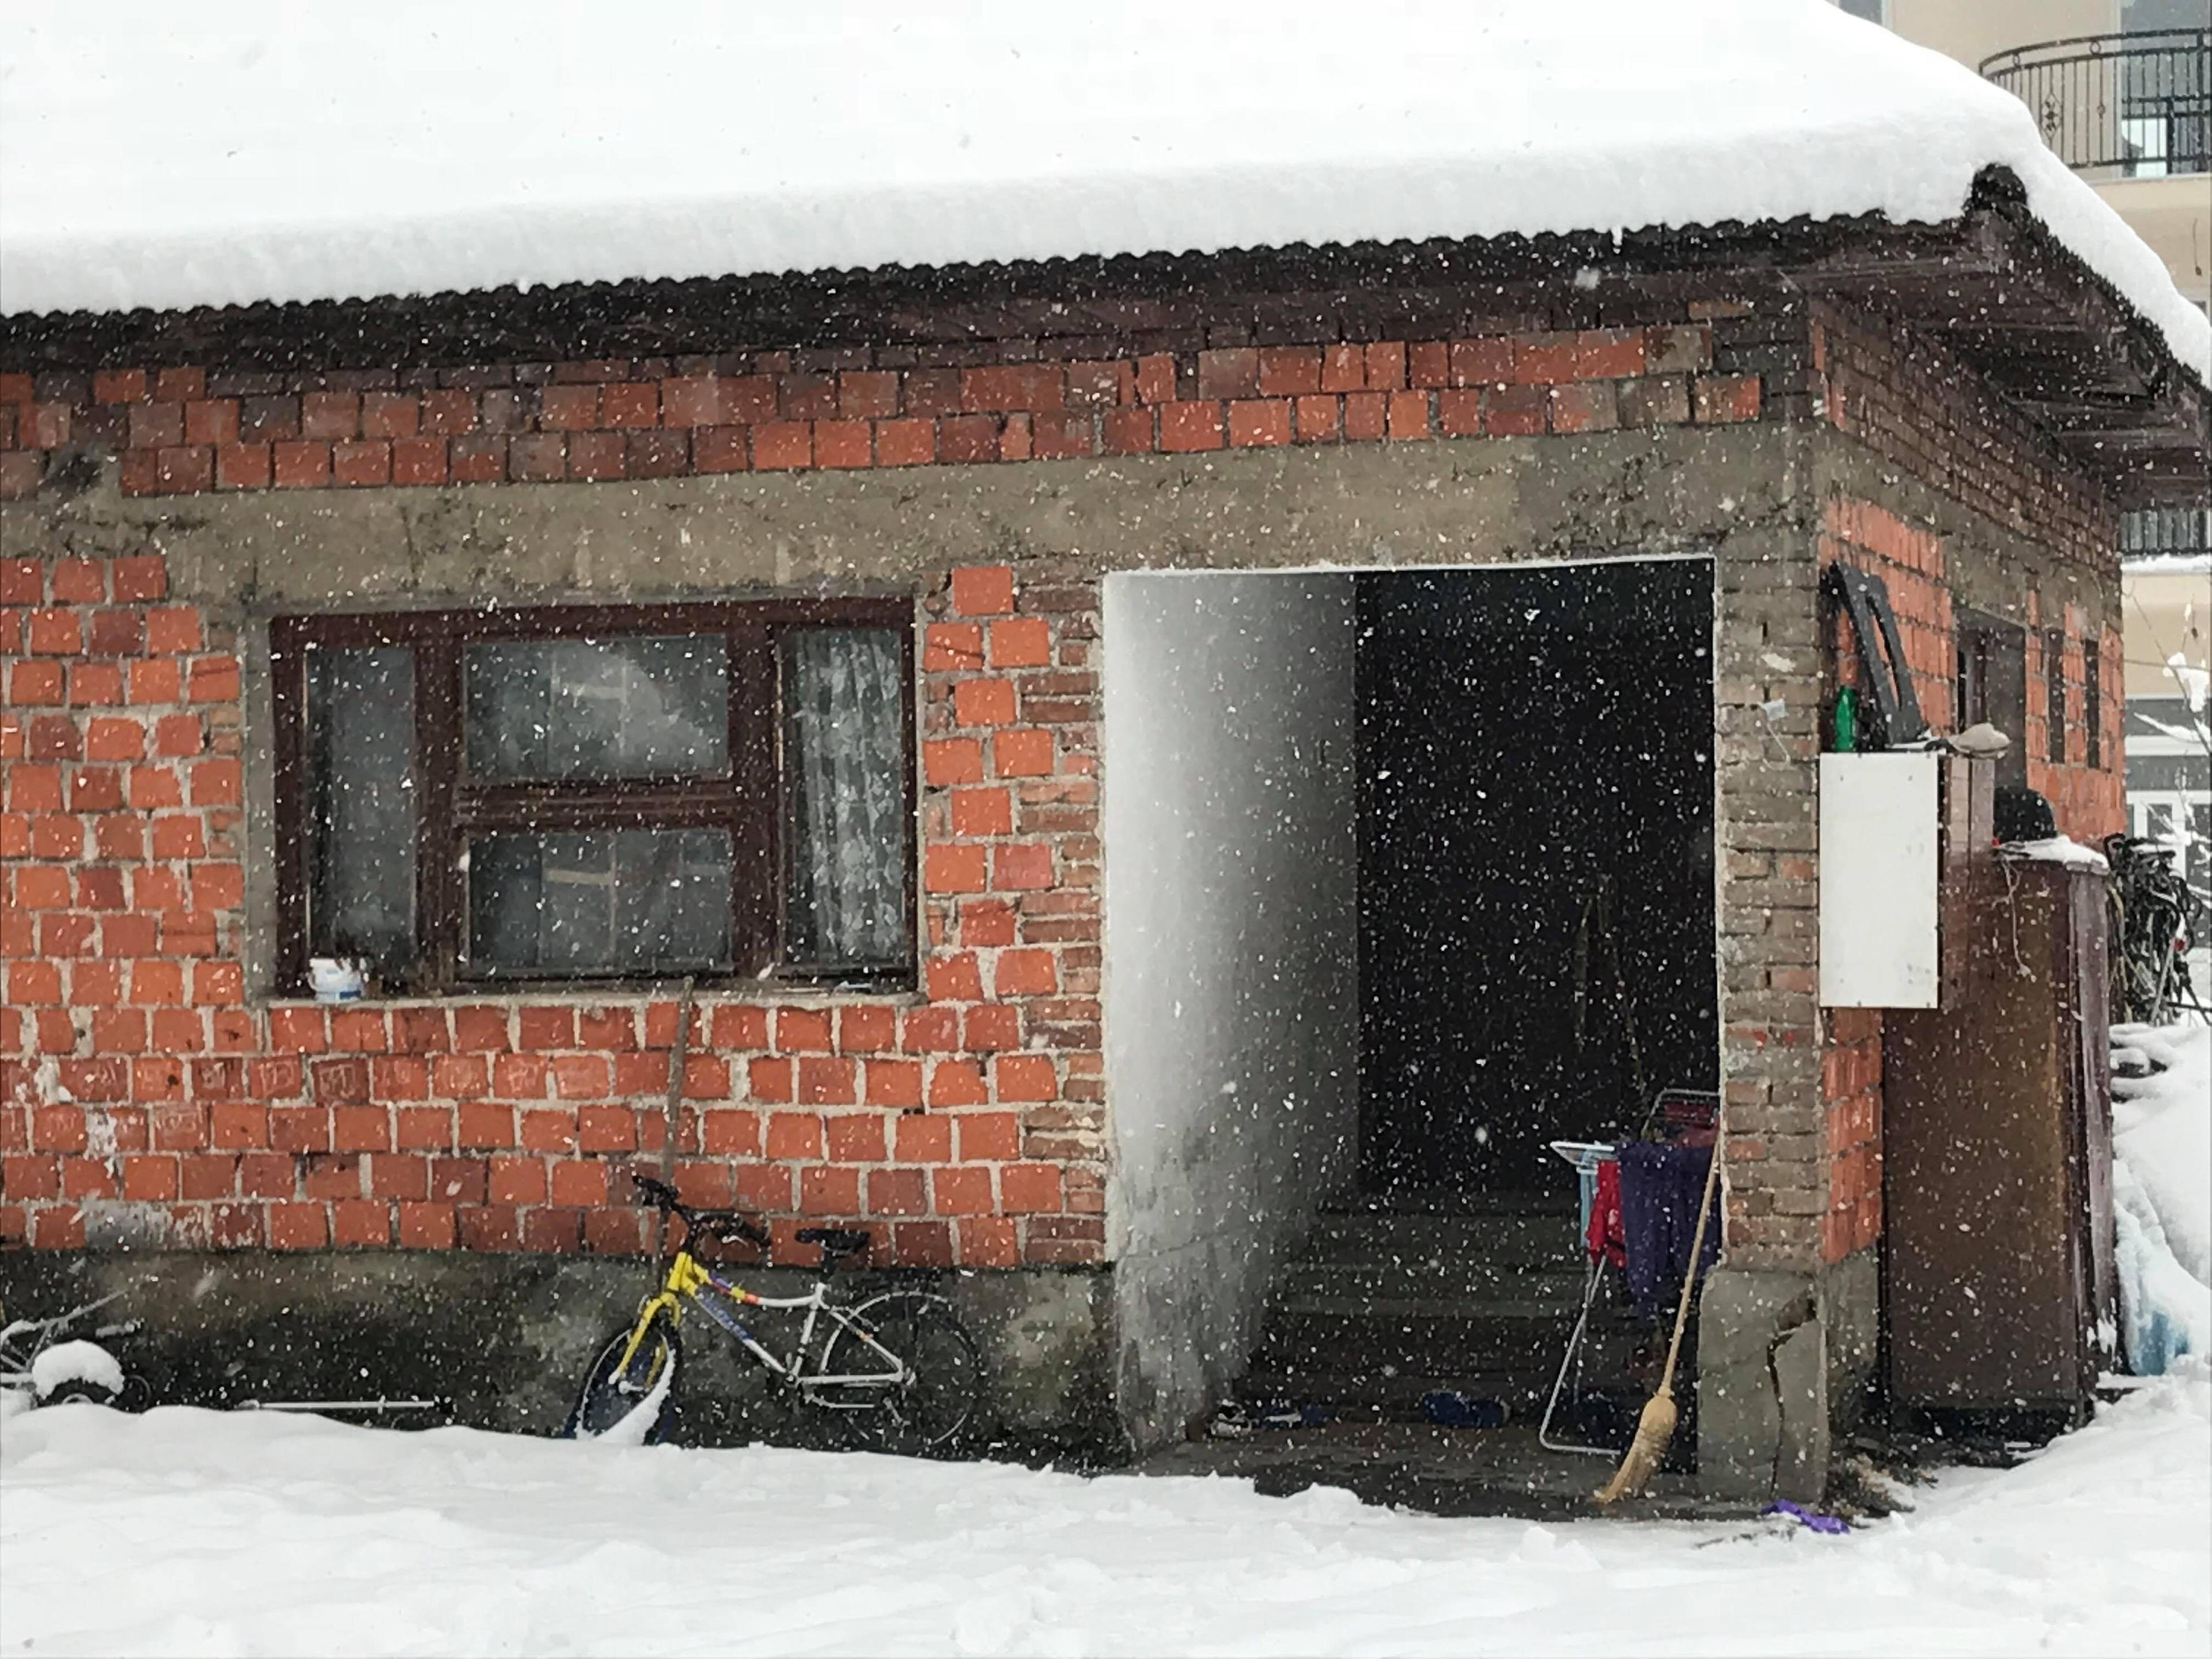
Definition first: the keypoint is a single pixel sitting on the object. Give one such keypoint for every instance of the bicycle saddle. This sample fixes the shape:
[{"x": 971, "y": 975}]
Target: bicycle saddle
[{"x": 835, "y": 1241}]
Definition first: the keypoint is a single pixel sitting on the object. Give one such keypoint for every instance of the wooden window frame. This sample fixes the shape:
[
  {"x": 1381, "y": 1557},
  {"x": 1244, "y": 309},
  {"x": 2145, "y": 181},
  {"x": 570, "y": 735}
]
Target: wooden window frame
[{"x": 751, "y": 801}]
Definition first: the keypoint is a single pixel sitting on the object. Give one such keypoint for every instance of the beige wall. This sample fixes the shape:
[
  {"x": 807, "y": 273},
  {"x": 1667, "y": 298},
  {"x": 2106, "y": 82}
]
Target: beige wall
[
  {"x": 1970, "y": 30},
  {"x": 2174, "y": 215},
  {"x": 2164, "y": 613}
]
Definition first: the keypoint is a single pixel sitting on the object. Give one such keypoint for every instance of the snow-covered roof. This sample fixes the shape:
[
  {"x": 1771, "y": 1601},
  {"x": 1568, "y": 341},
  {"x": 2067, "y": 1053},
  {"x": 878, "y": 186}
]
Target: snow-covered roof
[{"x": 166, "y": 156}]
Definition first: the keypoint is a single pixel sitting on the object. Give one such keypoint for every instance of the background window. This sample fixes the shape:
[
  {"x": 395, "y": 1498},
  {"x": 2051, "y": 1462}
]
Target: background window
[
  {"x": 598, "y": 793},
  {"x": 1992, "y": 684},
  {"x": 2093, "y": 708},
  {"x": 2054, "y": 696}
]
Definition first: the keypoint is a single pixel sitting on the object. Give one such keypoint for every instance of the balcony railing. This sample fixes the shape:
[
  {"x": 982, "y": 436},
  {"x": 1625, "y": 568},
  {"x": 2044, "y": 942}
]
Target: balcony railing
[
  {"x": 2124, "y": 105},
  {"x": 2157, "y": 531}
]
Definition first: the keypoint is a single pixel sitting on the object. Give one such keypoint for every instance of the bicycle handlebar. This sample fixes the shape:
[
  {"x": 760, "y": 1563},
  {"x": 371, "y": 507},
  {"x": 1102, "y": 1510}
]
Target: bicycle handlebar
[{"x": 721, "y": 1223}]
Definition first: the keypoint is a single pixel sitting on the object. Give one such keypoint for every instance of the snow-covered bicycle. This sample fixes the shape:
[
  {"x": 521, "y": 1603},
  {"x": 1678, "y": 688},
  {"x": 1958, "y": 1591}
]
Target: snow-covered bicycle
[
  {"x": 42, "y": 1364},
  {"x": 899, "y": 1366}
]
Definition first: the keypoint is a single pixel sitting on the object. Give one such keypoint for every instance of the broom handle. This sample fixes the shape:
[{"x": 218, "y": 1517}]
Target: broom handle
[{"x": 1690, "y": 1280}]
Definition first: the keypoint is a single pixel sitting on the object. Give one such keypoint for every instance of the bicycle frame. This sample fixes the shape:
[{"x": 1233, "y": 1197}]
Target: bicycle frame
[{"x": 690, "y": 1280}]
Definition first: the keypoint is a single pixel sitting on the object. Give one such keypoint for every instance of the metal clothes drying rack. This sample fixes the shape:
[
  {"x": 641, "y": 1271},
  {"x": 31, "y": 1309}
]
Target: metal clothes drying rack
[
  {"x": 1674, "y": 1114},
  {"x": 1586, "y": 1156}
]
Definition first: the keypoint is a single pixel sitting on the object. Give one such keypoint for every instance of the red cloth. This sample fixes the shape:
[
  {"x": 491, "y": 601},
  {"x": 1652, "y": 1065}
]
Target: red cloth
[{"x": 1606, "y": 1236}]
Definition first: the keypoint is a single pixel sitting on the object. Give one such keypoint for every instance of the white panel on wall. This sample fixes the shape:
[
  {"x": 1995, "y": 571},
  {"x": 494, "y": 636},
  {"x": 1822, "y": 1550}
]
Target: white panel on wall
[{"x": 1880, "y": 869}]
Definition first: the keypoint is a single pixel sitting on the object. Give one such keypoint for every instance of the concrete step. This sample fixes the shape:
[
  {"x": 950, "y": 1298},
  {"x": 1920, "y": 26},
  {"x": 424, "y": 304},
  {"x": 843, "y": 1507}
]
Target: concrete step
[
  {"x": 1483, "y": 1339},
  {"x": 1394, "y": 1396},
  {"x": 1446, "y": 1201},
  {"x": 1342, "y": 1281},
  {"x": 1427, "y": 1242},
  {"x": 1412, "y": 1308},
  {"x": 1394, "y": 1297}
]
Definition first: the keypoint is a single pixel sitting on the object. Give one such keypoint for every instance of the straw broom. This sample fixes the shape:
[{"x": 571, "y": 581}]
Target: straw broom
[{"x": 1656, "y": 1426}]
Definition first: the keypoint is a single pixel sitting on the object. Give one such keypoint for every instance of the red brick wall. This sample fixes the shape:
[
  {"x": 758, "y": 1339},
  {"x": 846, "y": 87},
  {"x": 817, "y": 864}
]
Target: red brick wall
[
  {"x": 1909, "y": 561},
  {"x": 1851, "y": 1096},
  {"x": 1906, "y": 398},
  {"x": 2087, "y": 803},
  {"x": 1910, "y": 400},
  {"x": 963, "y": 1125},
  {"x": 185, "y": 430}
]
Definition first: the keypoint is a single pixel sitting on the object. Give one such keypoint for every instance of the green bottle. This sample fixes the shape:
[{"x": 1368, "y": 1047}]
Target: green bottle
[{"x": 1844, "y": 723}]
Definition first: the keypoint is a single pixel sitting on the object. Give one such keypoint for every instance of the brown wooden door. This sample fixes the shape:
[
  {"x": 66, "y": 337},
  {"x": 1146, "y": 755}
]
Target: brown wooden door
[{"x": 1989, "y": 1170}]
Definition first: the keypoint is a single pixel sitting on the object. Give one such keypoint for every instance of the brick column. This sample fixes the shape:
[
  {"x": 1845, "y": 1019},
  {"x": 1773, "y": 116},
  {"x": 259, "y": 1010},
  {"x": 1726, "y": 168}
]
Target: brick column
[
  {"x": 123, "y": 889},
  {"x": 1011, "y": 874},
  {"x": 1760, "y": 1359},
  {"x": 1769, "y": 925}
]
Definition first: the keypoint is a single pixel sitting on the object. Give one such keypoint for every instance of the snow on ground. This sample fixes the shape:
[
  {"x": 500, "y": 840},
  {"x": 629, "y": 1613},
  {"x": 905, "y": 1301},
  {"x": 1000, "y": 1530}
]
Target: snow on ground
[
  {"x": 2163, "y": 1191},
  {"x": 250, "y": 150},
  {"x": 193, "y": 1532}
]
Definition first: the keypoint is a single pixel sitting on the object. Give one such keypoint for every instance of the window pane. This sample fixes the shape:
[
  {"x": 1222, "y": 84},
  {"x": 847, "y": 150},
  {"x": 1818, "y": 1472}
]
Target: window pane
[
  {"x": 631, "y": 706},
  {"x": 2054, "y": 696},
  {"x": 361, "y": 803},
  {"x": 845, "y": 897},
  {"x": 599, "y": 901},
  {"x": 2093, "y": 708}
]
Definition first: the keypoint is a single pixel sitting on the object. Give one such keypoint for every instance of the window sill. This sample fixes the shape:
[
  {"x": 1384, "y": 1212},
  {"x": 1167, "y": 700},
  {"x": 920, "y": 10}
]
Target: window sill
[{"x": 765, "y": 993}]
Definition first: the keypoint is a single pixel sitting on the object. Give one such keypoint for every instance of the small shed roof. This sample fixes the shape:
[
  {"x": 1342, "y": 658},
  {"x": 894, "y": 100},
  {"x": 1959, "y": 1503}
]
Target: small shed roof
[{"x": 239, "y": 151}]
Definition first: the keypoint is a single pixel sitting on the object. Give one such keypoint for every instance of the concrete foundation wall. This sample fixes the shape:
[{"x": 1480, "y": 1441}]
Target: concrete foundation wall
[
  {"x": 506, "y": 1338},
  {"x": 1232, "y": 993}
]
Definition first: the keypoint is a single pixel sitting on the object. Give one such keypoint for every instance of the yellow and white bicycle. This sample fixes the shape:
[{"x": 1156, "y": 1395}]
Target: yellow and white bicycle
[{"x": 899, "y": 1365}]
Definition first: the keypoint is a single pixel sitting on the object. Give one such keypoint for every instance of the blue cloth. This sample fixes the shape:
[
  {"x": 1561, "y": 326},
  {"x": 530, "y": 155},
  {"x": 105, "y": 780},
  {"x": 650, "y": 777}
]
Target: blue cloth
[{"x": 1660, "y": 1187}]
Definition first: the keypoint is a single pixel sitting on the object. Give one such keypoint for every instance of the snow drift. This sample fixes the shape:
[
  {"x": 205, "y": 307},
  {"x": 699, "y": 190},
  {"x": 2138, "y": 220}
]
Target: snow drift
[
  {"x": 255, "y": 1534},
  {"x": 165, "y": 157},
  {"x": 2162, "y": 1193}
]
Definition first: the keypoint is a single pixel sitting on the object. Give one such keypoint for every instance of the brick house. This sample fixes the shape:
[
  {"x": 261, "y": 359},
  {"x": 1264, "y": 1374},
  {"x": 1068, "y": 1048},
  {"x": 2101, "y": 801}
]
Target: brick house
[{"x": 980, "y": 682}]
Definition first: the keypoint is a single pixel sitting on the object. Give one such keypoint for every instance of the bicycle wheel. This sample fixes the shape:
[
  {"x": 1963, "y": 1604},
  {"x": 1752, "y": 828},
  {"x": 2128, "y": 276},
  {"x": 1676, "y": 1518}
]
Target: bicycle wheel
[
  {"x": 927, "y": 1409},
  {"x": 628, "y": 1405}
]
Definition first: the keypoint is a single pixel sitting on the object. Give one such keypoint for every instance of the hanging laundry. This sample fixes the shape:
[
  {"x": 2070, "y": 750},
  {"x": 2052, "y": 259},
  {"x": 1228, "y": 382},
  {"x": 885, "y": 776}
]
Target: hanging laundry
[
  {"x": 1603, "y": 1235},
  {"x": 1660, "y": 1188}
]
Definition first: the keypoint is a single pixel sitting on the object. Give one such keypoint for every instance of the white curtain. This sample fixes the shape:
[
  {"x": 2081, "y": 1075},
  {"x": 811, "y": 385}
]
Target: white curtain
[{"x": 844, "y": 733}]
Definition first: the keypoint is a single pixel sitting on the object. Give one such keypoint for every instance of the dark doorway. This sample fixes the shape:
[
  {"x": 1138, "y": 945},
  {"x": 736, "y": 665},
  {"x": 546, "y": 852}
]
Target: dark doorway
[{"x": 1536, "y": 863}]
